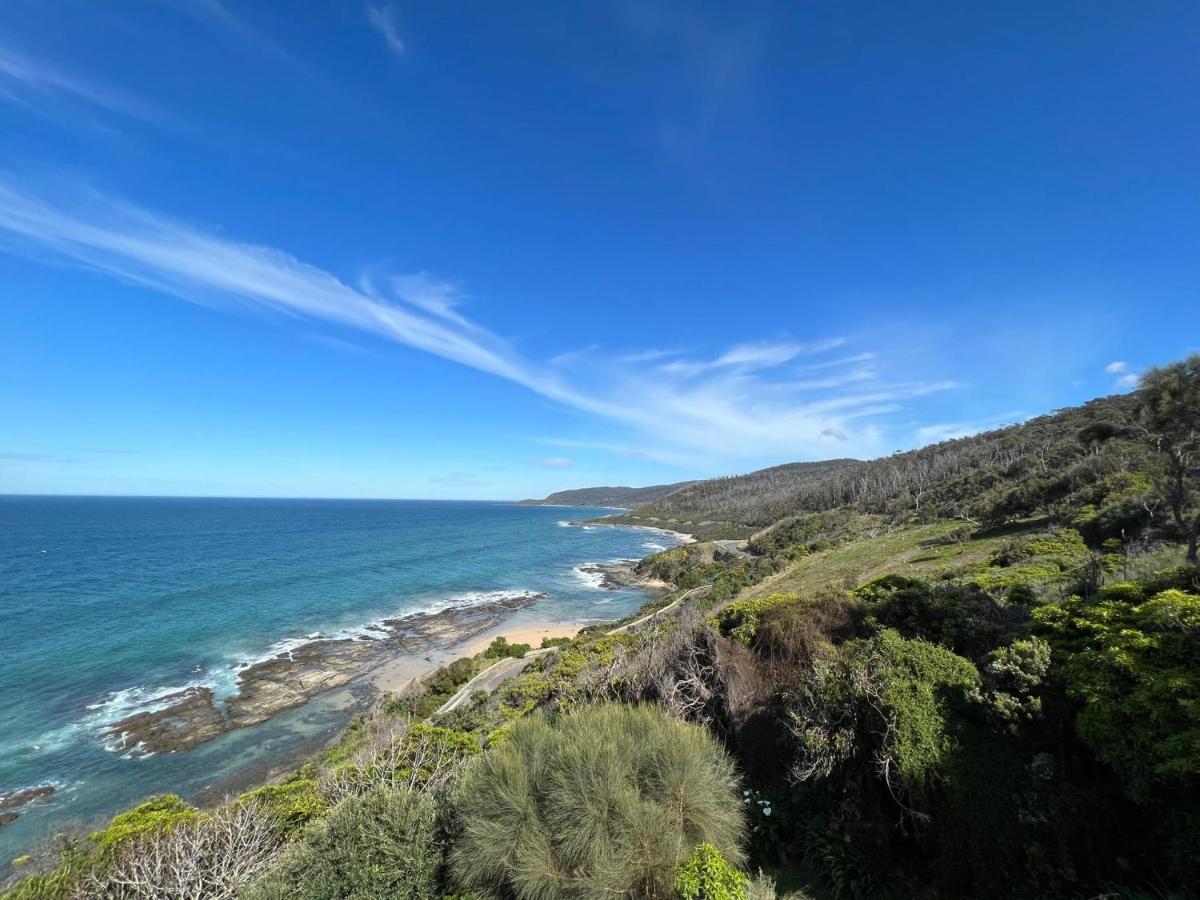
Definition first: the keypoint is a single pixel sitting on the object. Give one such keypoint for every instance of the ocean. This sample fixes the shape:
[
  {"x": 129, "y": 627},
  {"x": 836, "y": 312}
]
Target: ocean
[{"x": 108, "y": 602}]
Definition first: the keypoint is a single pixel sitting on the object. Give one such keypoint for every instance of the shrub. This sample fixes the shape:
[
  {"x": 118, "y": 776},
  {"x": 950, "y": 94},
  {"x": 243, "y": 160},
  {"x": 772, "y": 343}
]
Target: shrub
[
  {"x": 210, "y": 856},
  {"x": 799, "y": 632},
  {"x": 158, "y": 814},
  {"x": 421, "y": 757},
  {"x": 501, "y": 648},
  {"x": 707, "y": 876},
  {"x": 294, "y": 803},
  {"x": 607, "y": 801},
  {"x": 74, "y": 864},
  {"x": 886, "y": 697},
  {"x": 1011, "y": 675},
  {"x": 382, "y": 844},
  {"x": 1135, "y": 669},
  {"x": 739, "y": 620}
]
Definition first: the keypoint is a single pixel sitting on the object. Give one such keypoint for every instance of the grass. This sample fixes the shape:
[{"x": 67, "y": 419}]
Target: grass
[{"x": 924, "y": 550}]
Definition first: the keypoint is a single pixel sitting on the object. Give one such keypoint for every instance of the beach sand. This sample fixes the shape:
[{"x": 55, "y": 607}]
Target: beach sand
[
  {"x": 400, "y": 671},
  {"x": 522, "y": 633}
]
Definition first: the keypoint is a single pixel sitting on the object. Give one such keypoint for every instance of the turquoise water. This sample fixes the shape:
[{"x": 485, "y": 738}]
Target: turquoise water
[{"x": 108, "y": 601}]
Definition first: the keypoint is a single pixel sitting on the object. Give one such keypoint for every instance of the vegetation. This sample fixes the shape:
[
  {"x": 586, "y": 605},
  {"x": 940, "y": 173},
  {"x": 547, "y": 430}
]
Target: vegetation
[
  {"x": 622, "y": 497},
  {"x": 707, "y": 876},
  {"x": 500, "y": 648},
  {"x": 385, "y": 843},
  {"x": 605, "y": 802},
  {"x": 971, "y": 670}
]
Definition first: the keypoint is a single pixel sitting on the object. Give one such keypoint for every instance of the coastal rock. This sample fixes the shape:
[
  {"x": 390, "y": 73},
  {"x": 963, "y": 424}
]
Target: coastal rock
[
  {"x": 179, "y": 721},
  {"x": 290, "y": 679},
  {"x": 189, "y": 717},
  {"x": 616, "y": 575},
  {"x": 8, "y": 817},
  {"x": 13, "y": 799}
]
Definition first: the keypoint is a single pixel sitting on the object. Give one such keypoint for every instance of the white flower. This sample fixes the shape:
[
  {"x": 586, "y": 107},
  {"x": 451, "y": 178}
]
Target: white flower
[{"x": 766, "y": 812}]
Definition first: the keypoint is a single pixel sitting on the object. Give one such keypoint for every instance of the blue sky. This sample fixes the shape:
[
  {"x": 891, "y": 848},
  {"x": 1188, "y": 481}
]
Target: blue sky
[{"x": 494, "y": 250}]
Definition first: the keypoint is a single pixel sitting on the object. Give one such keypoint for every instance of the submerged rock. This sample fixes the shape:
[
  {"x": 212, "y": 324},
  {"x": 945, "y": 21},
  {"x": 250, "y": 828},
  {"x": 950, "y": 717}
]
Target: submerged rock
[{"x": 14, "y": 799}]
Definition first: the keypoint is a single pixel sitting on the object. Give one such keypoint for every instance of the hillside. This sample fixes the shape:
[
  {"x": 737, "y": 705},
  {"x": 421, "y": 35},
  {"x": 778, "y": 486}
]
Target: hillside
[
  {"x": 969, "y": 670},
  {"x": 737, "y": 505},
  {"x": 972, "y": 479},
  {"x": 621, "y": 497}
]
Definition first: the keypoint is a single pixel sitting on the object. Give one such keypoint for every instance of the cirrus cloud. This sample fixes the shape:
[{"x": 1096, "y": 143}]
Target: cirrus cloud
[{"x": 749, "y": 401}]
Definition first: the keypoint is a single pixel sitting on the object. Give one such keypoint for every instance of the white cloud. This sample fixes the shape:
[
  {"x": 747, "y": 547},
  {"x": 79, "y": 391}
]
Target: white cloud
[
  {"x": 730, "y": 406},
  {"x": 1127, "y": 382},
  {"x": 34, "y": 83},
  {"x": 751, "y": 357},
  {"x": 383, "y": 20},
  {"x": 556, "y": 462},
  {"x": 1114, "y": 368},
  {"x": 947, "y": 431}
]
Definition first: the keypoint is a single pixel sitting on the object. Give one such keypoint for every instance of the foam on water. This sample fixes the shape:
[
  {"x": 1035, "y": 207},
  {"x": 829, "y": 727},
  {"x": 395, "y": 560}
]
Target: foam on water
[
  {"x": 143, "y": 598},
  {"x": 593, "y": 580}
]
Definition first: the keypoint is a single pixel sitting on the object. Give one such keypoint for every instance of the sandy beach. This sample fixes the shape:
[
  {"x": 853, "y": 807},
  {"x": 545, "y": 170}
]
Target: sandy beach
[{"x": 398, "y": 672}]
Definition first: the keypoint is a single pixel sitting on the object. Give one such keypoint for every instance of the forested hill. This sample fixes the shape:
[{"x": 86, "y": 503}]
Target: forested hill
[
  {"x": 987, "y": 478},
  {"x": 969, "y": 670},
  {"x": 625, "y": 497}
]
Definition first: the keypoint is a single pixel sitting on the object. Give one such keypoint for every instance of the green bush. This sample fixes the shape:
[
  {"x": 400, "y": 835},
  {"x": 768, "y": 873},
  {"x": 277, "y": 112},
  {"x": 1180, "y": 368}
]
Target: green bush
[
  {"x": 886, "y": 700},
  {"x": 382, "y": 844},
  {"x": 707, "y": 876},
  {"x": 739, "y": 620},
  {"x": 501, "y": 648},
  {"x": 159, "y": 813},
  {"x": 60, "y": 882},
  {"x": 1135, "y": 669},
  {"x": 294, "y": 803},
  {"x": 605, "y": 802}
]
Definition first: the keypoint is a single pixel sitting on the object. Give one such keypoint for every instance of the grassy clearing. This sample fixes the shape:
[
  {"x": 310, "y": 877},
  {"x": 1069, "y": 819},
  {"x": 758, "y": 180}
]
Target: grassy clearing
[{"x": 926, "y": 550}]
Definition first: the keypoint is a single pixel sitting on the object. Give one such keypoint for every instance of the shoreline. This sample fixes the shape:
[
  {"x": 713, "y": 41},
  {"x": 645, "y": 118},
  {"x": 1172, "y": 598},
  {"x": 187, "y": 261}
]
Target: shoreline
[
  {"x": 344, "y": 672},
  {"x": 682, "y": 536}
]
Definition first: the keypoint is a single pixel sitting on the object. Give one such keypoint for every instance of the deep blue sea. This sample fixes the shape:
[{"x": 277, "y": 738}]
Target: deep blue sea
[{"x": 108, "y": 601}]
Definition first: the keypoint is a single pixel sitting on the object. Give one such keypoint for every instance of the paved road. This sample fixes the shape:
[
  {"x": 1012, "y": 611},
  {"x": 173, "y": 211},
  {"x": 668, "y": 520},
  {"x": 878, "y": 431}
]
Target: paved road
[{"x": 499, "y": 672}]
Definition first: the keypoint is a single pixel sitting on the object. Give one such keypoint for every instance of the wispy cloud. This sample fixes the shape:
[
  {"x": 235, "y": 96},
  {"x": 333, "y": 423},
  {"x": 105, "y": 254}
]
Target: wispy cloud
[
  {"x": 1127, "y": 382},
  {"x": 948, "y": 431},
  {"x": 383, "y": 19},
  {"x": 220, "y": 19},
  {"x": 38, "y": 85},
  {"x": 751, "y": 357},
  {"x": 1115, "y": 368},
  {"x": 555, "y": 462},
  {"x": 740, "y": 403}
]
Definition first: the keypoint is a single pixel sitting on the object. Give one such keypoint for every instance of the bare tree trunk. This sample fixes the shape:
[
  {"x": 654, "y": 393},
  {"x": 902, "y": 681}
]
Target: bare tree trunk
[{"x": 1193, "y": 537}]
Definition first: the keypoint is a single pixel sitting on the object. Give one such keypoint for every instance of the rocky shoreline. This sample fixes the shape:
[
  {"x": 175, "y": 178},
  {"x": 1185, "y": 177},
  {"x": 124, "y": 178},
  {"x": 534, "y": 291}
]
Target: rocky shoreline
[
  {"x": 17, "y": 799},
  {"x": 194, "y": 715},
  {"x": 622, "y": 574}
]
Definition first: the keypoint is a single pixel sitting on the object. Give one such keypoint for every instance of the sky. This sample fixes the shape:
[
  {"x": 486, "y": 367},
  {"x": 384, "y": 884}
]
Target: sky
[{"x": 485, "y": 250}]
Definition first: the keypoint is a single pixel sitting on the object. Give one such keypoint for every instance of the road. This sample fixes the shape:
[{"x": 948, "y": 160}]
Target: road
[{"x": 502, "y": 670}]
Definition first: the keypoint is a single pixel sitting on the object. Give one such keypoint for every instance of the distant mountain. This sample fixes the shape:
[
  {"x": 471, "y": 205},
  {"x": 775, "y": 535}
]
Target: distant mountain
[
  {"x": 624, "y": 497},
  {"x": 974, "y": 479}
]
